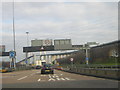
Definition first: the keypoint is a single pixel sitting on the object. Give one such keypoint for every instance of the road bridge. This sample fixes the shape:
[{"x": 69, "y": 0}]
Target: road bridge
[{"x": 49, "y": 58}]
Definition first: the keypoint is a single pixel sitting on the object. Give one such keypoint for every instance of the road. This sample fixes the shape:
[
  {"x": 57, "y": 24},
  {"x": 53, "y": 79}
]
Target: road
[{"x": 60, "y": 79}]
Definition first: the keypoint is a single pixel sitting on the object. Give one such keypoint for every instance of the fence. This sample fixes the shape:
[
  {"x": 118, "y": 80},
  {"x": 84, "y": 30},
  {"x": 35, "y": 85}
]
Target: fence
[{"x": 111, "y": 72}]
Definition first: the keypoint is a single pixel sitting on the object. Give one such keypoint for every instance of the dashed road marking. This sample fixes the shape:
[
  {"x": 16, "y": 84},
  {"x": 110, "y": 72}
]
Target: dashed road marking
[
  {"x": 61, "y": 74},
  {"x": 50, "y": 76},
  {"x": 58, "y": 79},
  {"x": 51, "y": 79},
  {"x": 62, "y": 79},
  {"x": 67, "y": 78},
  {"x": 39, "y": 80},
  {"x": 43, "y": 75},
  {"x": 53, "y": 76},
  {"x": 57, "y": 76},
  {"x": 22, "y": 78}
]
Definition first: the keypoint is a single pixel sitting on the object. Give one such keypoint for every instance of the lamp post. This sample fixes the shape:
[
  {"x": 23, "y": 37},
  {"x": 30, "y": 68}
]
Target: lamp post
[
  {"x": 72, "y": 59},
  {"x": 27, "y": 46},
  {"x": 27, "y": 39},
  {"x": 86, "y": 53},
  {"x": 14, "y": 59}
]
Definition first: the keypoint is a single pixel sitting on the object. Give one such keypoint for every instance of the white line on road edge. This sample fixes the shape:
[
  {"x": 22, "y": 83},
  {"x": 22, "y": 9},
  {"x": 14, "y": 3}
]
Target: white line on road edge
[{"x": 22, "y": 78}]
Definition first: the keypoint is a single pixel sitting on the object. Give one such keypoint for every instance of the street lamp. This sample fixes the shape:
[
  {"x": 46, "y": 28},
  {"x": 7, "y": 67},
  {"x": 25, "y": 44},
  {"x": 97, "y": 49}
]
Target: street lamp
[
  {"x": 14, "y": 59},
  {"x": 27, "y": 45},
  {"x": 27, "y": 39},
  {"x": 86, "y": 52}
]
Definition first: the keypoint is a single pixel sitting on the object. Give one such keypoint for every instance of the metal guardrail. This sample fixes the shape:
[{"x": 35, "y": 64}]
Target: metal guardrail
[
  {"x": 24, "y": 68},
  {"x": 94, "y": 66},
  {"x": 99, "y": 72}
]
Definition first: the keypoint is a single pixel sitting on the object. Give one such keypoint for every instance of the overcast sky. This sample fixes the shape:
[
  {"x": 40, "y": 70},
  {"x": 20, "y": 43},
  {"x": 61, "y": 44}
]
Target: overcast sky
[{"x": 80, "y": 21}]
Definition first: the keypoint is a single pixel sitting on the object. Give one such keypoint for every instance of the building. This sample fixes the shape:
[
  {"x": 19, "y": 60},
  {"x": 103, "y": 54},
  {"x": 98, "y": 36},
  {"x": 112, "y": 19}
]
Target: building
[
  {"x": 2, "y": 48},
  {"x": 63, "y": 44},
  {"x": 36, "y": 42}
]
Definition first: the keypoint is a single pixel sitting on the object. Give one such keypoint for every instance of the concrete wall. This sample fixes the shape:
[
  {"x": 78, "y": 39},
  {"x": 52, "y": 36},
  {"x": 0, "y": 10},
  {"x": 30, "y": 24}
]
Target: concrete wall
[
  {"x": 104, "y": 52},
  {"x": 106, "y": 73}
]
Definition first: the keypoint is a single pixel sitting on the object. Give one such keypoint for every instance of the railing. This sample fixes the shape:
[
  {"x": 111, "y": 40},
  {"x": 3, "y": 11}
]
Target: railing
[
  {"x": 106, "y": 71},
  {"x": 24, "y": 68},
  {"x": 94, "y": 66}
]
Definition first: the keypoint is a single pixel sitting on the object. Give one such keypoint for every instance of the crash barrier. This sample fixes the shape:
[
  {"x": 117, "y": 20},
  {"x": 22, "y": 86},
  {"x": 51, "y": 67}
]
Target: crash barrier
[
  {"x": 24, "y": 68},
  {"x": 105, "y": 73}
]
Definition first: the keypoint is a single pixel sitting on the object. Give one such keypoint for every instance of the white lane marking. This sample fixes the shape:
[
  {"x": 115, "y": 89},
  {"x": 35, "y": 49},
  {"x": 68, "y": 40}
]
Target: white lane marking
[
  {"x": 62, "y": 79},
  {"x": 58, "y": 78},
  {"x": 67, "y": 78},
  {"x": 22, "y": 78},
  {"x": 51, "y": 79},
  {"x": 50, "y": 76},
  {"x": 39, "y": 80},
  {"x": 53, "y": 76},
  {"x": 61, "y": 74},
  {"x": 42, "y": 75}
]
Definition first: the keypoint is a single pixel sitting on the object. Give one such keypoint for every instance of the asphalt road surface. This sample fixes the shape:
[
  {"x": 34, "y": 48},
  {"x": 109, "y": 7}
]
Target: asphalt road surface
[{"x": 60, "y": 79}]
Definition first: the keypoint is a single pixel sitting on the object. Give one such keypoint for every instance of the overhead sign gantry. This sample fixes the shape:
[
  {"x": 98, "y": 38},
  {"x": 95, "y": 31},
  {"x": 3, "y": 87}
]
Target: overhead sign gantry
[{"x": 47, "y": 45}]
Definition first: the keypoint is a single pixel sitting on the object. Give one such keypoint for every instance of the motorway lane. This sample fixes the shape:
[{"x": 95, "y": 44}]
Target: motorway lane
[{"x": 60, "y": 79}]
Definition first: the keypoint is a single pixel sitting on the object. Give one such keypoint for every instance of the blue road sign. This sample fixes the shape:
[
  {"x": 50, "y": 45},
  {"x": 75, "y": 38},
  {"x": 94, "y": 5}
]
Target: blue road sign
[
  {"x": 12, "y": 54},
  {"x": 87, "y": 58},
  {"x": 12, "y": 63},
  {"x": 26, "y": 61}
]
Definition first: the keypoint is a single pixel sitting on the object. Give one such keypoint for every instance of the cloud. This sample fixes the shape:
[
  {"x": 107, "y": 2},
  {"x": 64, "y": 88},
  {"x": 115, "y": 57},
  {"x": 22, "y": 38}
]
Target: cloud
[{"x": 82, "y": 22}]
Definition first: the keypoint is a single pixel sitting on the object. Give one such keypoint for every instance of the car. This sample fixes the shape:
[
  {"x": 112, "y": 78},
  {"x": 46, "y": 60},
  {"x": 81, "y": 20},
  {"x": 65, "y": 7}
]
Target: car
[
  {"x": 47, "y": 69},
  {"x": 10, "y": 69},
  {"x": 3, "y": 69},
  {"x": 59, "y": 68},
  {"x": 38, "y": 67}
]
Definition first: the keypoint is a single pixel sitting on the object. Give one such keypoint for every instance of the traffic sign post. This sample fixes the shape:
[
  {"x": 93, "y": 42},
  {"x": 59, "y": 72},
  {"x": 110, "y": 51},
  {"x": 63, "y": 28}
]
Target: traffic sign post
[
  {"x": 87, "y": 60},
  {"x": 12, "y": 55},
  {"x": 26, "y": 61},
  {"x": 71, "y": 59}
]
